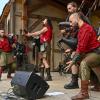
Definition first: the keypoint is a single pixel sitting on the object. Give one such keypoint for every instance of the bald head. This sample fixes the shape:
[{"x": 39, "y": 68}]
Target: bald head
[
  {"x": 75, "y": 19},
  {"x": 74, "y": 16}
]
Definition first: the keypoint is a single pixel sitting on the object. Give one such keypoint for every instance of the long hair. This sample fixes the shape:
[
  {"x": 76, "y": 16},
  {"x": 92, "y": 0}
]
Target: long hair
[{"x": 49, "y": 23}]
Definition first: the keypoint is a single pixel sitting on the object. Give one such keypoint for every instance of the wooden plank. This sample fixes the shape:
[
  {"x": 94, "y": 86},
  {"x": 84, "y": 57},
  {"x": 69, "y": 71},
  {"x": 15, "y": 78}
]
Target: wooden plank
[{"x": 34, "y": 25}]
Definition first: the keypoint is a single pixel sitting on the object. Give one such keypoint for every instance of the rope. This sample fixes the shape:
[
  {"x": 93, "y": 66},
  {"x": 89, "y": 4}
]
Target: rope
[
  {"x": 82, "y": 5},
  {"x": 91, "y": 7}
]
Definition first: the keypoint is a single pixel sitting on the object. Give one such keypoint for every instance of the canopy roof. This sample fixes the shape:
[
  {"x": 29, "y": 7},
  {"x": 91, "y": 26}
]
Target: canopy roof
[{"x": 87, "y": 4}]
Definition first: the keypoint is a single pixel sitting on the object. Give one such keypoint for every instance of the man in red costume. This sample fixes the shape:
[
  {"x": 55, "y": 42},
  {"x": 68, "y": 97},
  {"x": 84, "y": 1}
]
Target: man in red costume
[
  {"x": 88, "y": 50},
  {"x": 6, "y": 58}
]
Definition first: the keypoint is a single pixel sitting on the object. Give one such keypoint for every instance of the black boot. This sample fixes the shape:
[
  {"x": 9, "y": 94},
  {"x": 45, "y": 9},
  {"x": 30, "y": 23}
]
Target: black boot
[
  {"x": 48, "y": 78},
  {"x": 42, "y": 72},
  {"x": 9, "y": 71},
  {"x": 74, "y": 82}
]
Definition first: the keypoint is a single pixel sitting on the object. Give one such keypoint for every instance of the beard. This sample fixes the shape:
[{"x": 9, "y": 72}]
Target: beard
[{"x": 75, "y": 26}]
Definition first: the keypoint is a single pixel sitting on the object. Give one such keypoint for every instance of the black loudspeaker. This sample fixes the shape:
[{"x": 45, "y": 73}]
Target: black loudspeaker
[{"x": 29, "y": 85}]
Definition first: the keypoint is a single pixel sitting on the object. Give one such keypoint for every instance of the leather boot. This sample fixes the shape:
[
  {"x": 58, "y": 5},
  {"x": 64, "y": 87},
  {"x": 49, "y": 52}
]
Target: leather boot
[
  {"x": 74, "y": 82},
  {"x": 9, "y": 71},
  {"x": 48, "y": 77},
  {"x": 84, "y": 91},
  {"x": 42, "y": 72}
]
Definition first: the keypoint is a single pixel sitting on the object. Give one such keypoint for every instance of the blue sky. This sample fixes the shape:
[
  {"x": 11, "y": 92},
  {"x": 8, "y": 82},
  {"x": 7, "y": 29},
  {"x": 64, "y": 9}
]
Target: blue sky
[{"x": 2, "y": 4}]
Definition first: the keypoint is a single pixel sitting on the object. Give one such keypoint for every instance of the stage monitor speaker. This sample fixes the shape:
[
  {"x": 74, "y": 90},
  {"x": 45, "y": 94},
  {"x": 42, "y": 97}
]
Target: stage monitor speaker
[{"x": 29, "y": 85}]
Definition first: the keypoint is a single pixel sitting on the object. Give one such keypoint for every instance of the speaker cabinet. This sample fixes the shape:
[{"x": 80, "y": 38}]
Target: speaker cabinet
[{"x": 29, "y": 85}]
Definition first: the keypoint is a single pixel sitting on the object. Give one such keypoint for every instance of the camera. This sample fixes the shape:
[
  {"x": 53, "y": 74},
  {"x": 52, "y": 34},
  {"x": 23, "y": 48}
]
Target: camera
[
  {"x": 71, "y": 39},
  {"x": 71, "y": 42},
  {"x": 65, "y": 25},
  {"x": 62, "y": 65}
]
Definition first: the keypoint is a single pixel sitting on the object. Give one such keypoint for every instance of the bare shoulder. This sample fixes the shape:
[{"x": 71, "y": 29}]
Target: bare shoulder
[{"x": 44, "y": 29}]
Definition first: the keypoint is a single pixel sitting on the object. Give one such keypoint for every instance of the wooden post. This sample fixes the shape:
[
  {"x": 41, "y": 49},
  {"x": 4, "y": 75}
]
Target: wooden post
[
  {"x": 24, "y": 15},
  {"x": 12, "y": 16}
]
